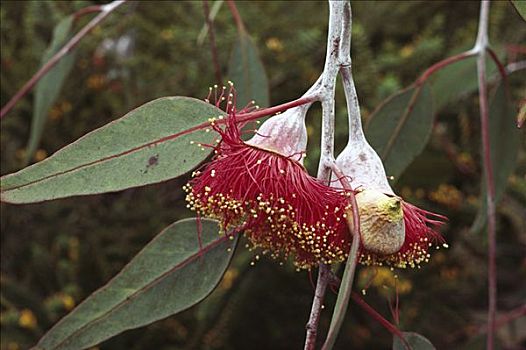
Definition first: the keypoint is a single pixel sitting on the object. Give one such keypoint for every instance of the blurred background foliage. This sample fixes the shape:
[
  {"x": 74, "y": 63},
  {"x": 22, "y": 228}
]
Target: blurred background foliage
[{"x": 55, "y": 254}]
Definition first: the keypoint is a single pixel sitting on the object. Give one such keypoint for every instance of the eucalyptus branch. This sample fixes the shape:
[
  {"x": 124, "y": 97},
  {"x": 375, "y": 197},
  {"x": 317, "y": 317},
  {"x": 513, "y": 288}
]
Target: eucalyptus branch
[
  {"x": 237, "y": 17},
  {"x": 481, "y": 46},
  {"x": 87, "y": 10},
  {"x": 515, "y": 66},
  {"x": 393, "y": 329},
  {"x": 325, "y": 94},
  {"x": 317, "y": 304},
  {"x": 355, "y": 133},
  {"x": 212, "y": 40},
  {"x": 105, "y": 10}
]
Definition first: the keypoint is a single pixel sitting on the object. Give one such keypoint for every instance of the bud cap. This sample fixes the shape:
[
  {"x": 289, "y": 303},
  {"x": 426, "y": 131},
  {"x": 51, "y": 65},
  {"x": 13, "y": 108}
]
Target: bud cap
[{"x": 284, "y": 133}]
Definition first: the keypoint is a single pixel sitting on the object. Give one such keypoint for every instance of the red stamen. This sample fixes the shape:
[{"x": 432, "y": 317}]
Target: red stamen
[{"x": 285, "y": 210}]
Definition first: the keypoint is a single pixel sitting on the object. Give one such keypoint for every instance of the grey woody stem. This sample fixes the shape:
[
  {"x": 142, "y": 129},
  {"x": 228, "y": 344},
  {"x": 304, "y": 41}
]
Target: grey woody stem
[
  {"x": 355, "y": 120},
  {"x": 317, "y": 305},
  {"x": 339, "y": 16},
  {"x": 356, "y": 134},
  {"x": 326, "y": 94}
]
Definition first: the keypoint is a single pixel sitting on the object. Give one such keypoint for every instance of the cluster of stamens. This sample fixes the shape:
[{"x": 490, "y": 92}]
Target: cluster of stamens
[{"x": 282, "y": 209}]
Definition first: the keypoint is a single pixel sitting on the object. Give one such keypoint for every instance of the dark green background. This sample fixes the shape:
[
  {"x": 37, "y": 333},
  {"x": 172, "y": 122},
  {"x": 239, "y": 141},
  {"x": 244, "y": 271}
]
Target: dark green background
[{"x": 68, "y": 248}]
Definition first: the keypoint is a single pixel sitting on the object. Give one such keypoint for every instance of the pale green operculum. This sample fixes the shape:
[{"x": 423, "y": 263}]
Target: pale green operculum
[{"x": 381, "y": 222}]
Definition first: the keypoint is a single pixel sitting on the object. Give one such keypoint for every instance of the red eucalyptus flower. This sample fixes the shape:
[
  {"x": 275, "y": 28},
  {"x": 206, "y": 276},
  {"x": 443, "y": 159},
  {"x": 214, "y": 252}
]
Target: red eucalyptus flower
[
  {"x": 393, "y": 232},
  {"x": 262, "y": 185}
]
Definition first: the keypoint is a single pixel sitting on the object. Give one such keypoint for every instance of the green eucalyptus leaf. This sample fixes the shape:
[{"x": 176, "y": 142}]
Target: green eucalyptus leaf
[
  {"x": 520, "y": 6},
  {"x": 415, "y": 341},
  {"x": 400, "y": 128},
  {"x": 504, "y": 147},
  {"x": 48, "y": 88},
  {"x": 247, "y": 72},
  {"x": 176, "y": 270},
  {"x": 457, "y": 80},
  {"x": 150, "y": 144}
]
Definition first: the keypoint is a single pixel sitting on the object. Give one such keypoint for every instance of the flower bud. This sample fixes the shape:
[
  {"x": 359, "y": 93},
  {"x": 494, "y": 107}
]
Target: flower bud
[
  {"x": 285, "y": 134},
  {"x": 382, "y": 225},
  {"x": 363, "y": 166},
  {"x": 393, "y": 232}
]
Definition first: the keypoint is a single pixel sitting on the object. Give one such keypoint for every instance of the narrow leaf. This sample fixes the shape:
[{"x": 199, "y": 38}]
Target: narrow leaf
[
  {"x": 169, "y": 275},
  {"x": 150, "y": 144},
  {"x": 247, "y": 72},
  {"x": 415, "y": 341},
  {"x": 400, "y": 128},
  {"x": 213, "y": 13},
  {"x": 520, "y": 6},
  {"x": 48, "y": 88},
  {"x": 504, "y": 146}
]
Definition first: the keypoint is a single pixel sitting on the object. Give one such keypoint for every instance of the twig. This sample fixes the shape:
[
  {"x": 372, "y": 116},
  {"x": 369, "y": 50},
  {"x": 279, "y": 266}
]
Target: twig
[
  {"x": 105, "y": 10},
  {"x": 481, "y": 46},
  {"x": 237, "y": 18},
  {"x": 317, "y": 304},
  {"x": 244, "y": 117},
  {"x": 330, "y": 72},
  {"x": 86, "y": 10},
  {"x": 393, "y": 329},
  {"x": 355, "y": 132},
  {"x": 505, "y": 319},
  {"x": 476, "y": 330},
  {"x": 325, "y": 94},
  {"x": 213, "y": 47},
  {"x": 441, "y": 64},
  {"x": 515, "y": 66},
  {"x": 374, "y": 314},
  {"x": 213, "y": 13},
  {"x": 500, "y": 66}
]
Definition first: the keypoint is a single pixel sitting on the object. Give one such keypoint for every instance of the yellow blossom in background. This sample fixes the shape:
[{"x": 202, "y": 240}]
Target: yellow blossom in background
[
  {"x": 465, "y": 160},
  {"x": 27, "y": 319},
  {"x": 384, "y": 280},
  {"x": 96, "y": 81},
  {"x": 229, "y": 278},
  {"x": 407, "y": 51},
  {"x": 67, "y": 301},
  {"x": 40, "y": 155},
  {"x": 167, "y": 34},
  {"x": 448, "y": 196},
  {"x": 274, "y": 44}
]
